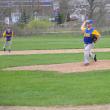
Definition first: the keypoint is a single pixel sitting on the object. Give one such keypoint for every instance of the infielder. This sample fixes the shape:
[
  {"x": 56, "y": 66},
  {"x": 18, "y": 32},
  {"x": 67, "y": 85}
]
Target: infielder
[
  {"x": 7, "y": 34},
  {"x": 91, "y": 35}
]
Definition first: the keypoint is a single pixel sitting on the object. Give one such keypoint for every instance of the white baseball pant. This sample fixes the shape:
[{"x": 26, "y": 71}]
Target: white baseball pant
[
  {"x": 88, "y": 53},
  {"x": 7, "y": 44}
]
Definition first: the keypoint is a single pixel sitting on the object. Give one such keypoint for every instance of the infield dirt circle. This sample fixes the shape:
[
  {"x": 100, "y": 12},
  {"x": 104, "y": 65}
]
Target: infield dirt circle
[{"x": 67, "y": 67}]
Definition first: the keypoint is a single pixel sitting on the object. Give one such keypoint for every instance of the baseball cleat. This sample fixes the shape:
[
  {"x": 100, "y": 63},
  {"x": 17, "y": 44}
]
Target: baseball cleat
[
  {"x": 86, "y": 64},
  {"x": 4, "y": 49},
  {"x": 95, "y": 58},
  {"x": 9, "y": 50}
]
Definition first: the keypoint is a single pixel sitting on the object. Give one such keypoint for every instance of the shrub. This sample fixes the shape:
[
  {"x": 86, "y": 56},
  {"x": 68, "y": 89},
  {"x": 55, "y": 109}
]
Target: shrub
[{"x": 39, "y": 24}]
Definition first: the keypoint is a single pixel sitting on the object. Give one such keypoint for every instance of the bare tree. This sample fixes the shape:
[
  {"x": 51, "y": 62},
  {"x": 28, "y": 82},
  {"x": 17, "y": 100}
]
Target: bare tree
[
  {"x": 92, "y": 7},
  {"x": 64, "y": 7}
]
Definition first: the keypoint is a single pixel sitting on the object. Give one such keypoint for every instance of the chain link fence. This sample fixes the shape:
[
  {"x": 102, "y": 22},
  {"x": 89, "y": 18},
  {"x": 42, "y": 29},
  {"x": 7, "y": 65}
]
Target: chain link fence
[{"x": 34, "y": 18}]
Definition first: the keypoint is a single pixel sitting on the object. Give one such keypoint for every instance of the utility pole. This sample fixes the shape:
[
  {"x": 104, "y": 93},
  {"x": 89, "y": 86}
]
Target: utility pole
[{"x": 38, "y": 10}]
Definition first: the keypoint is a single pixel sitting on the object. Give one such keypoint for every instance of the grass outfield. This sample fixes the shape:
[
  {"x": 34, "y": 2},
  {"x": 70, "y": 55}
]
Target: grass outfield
[
  {"x": 51, "y": 88},
  {"x": 21, "y": 60},
  {"x": 53, "y": 41}
]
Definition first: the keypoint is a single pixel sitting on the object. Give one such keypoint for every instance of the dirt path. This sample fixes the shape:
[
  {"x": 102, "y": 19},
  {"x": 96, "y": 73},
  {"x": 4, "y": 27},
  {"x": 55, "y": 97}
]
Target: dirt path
[
  {"x": 29, "y": 52},
  {"x": 93, "y": 107}
]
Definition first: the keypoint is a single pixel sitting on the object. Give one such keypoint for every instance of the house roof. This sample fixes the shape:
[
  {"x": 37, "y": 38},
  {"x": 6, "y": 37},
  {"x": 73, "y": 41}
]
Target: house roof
[{"x": 12, "y": 3}]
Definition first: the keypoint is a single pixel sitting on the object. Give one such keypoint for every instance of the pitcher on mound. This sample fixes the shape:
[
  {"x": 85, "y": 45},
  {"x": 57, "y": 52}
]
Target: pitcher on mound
[{"x": 91, "y": 35}]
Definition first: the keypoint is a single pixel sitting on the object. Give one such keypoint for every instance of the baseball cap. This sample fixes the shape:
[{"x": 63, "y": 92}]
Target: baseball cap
[{"x": 89, "y": 21}]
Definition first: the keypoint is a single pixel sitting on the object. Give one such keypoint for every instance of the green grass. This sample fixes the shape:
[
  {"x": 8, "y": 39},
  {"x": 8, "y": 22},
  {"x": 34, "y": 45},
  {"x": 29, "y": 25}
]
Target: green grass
[
  {"x": 36, "y": 88},
  {"x": 51, "y": 89},
  {"x": 8, "y": 61},
  {"x": 21, "y": 60},
  {"x": 53, "y": 41}
]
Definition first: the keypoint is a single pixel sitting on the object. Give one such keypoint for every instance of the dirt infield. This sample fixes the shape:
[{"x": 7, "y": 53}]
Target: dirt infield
[
  {"x": 93, "y": 107},
  {"x": 29, "y": 52},
  {"x": 67, "y": 67}
]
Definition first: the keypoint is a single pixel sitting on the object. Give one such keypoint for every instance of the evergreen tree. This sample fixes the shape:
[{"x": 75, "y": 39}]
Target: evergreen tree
[{"x": 24, "y": 18}]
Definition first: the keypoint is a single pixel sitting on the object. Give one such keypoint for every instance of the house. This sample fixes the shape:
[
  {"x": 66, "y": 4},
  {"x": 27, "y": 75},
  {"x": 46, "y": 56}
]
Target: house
[{"x": 38, "y": 7}]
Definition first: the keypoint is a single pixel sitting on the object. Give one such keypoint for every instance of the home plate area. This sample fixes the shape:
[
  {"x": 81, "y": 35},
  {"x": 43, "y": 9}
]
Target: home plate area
[{"x": 66, "y": 67}]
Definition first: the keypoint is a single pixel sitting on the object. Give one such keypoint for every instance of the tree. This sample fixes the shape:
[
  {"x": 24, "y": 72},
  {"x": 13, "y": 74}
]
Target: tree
[
  {"x": 92, "y": 7},
  {"x": 24, "y": 17},
  {"x": 97, "y": 11},
  {"x": 93, "y": 4},
  {"x": 64, "y": 7}
]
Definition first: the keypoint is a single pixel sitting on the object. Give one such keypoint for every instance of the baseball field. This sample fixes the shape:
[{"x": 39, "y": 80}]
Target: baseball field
[{"x": 51, "y": 89}]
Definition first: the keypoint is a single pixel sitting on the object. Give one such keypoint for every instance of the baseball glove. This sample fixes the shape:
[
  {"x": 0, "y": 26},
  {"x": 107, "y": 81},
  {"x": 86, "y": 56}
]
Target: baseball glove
[{"x": 94, "y": 38}]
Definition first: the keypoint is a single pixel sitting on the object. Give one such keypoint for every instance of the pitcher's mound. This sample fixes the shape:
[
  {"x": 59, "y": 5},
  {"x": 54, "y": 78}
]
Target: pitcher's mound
[{"x": 67, "y": 67}]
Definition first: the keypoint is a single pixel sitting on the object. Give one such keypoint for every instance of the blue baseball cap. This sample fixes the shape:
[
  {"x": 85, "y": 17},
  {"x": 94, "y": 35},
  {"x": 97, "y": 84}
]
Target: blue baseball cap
[{"x": 89, "y": 21}]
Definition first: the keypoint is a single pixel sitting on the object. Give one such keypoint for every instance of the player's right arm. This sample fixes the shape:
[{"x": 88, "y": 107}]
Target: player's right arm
[
  {"x": 4, "y": 34},
  {"x": 83, "y": 27},
  {"x": 12, "y": 33}
]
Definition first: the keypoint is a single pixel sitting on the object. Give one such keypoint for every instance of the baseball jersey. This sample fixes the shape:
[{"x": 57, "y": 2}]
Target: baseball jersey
[
  {"x": 88, "y": 34},
  {"x": 8, "y": 35}
]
